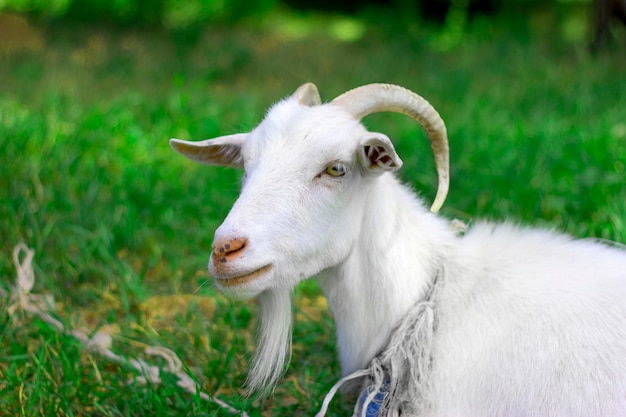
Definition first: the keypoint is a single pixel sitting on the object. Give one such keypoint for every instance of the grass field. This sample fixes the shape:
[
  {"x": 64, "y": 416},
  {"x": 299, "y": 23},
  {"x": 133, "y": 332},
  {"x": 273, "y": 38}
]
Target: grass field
[{"x": 122, "y": 226}]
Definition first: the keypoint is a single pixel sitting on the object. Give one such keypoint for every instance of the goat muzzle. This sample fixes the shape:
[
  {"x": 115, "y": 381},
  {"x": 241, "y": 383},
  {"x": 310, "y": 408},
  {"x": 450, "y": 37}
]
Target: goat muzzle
[
  {"x": 227, "y": 250},
  {"x": 226, "y": 254}
]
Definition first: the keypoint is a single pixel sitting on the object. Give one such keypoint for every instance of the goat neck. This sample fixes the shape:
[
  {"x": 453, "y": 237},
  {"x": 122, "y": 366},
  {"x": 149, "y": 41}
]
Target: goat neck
[{"x": 390, "y": 267}]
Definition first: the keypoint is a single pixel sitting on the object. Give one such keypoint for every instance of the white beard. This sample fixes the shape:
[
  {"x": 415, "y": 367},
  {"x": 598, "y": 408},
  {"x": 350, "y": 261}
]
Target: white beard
[{"x": 274, "y": 341}]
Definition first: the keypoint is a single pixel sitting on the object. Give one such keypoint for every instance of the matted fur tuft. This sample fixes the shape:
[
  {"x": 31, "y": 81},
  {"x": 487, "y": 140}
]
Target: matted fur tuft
[{"x": 403, "y": 368}]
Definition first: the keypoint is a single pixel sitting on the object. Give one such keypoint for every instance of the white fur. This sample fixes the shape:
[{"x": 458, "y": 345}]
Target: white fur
[{"x": 526, "y": 322}]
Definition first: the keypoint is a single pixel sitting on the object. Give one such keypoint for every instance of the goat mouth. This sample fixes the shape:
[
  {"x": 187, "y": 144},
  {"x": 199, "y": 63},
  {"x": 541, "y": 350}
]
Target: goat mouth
[{"x": 242, "y": 279}]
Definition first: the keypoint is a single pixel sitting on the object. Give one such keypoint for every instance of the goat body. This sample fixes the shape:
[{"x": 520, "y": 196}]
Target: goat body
[
  {"x": 537, "y": 322},
  {"x": 526, "y": 322}
]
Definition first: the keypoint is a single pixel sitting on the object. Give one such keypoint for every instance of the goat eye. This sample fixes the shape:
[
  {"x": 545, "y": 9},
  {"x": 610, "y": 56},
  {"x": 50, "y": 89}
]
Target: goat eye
[{"x": 336, "y": 169}]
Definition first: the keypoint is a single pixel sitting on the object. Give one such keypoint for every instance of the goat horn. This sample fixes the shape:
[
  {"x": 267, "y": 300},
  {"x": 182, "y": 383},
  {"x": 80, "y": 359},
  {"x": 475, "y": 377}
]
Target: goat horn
[
  {"x": 374, "y": 98},
  {"x": 308, "y": 95}
]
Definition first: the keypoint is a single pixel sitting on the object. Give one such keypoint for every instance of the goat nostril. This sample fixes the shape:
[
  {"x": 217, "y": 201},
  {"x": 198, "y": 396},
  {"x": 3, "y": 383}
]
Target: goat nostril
[{"x": 224, "y": 250}]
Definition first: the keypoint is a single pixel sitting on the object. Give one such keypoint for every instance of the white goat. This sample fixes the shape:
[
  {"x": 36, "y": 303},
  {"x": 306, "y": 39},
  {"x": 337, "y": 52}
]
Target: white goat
[{"x": 501, "y": 321}]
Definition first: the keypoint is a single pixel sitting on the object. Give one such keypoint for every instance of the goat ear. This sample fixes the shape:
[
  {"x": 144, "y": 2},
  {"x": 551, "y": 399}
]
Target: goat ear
[
  {"x": 377, "y": 154},
  {"x": 223, "y": 151},
  {"x": 308, "y": 95}
]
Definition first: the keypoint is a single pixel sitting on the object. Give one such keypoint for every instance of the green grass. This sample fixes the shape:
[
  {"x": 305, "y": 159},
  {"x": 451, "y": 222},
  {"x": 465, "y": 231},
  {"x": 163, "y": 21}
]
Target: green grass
[{"x": 122, "y": 226}]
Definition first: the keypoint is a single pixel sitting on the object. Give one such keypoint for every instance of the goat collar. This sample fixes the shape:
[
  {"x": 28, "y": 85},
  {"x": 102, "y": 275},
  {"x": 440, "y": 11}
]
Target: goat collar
[{"x": 397, "y": 379}]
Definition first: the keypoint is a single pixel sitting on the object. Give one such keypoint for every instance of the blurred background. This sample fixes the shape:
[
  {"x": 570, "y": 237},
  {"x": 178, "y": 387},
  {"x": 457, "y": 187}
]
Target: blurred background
[
  {"x": 532, "y": 93},
  {"x": 576, "y": 21}
]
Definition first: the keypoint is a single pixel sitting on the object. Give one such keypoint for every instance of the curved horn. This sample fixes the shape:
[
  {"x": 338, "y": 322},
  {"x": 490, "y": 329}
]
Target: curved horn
[{"x": 374, "y": 98}]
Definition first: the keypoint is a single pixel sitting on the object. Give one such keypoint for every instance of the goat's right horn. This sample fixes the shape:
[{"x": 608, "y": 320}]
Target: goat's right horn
[
  {"x": 308, "y": 95},
  {"x": 375, "y": 98}
]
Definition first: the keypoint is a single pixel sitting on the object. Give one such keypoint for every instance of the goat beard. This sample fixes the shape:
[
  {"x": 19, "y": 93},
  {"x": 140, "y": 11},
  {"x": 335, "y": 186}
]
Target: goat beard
[{"x": 274, "y": 341}]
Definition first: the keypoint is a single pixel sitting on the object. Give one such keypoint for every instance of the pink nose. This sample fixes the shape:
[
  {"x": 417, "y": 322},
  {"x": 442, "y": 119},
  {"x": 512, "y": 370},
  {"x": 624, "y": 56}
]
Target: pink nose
[{"x": 226, "y": 250}]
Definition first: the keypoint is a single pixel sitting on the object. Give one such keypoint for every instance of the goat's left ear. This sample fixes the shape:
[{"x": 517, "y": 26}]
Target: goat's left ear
[
  {"x": 377, "y": 154},
  {"x": 223, "y": 151}
]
